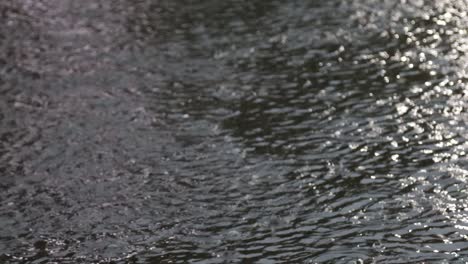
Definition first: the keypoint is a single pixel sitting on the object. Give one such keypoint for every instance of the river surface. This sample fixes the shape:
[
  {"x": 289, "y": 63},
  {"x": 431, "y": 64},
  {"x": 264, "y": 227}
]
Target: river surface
[{"x": 235, "y": 131}]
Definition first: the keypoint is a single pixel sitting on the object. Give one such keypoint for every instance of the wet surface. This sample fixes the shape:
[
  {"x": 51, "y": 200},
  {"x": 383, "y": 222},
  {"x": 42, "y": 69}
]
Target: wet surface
[{"x": 233, "y": 131}]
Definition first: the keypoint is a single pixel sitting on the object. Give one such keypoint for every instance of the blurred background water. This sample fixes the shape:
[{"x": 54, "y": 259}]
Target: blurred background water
[{"x": 192, "y": 131}]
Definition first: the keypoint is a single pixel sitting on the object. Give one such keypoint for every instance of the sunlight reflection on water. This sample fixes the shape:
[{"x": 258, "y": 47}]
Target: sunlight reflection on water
[{"x": 233, "y": 131}]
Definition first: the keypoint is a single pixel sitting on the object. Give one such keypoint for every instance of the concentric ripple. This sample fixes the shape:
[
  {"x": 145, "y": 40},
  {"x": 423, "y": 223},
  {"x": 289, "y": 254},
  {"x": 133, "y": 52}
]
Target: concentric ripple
[{"x": 233, "y": 131}]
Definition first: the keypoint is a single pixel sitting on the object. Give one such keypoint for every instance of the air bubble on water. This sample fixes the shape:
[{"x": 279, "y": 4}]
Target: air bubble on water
[{"x": 234, "y": 234}]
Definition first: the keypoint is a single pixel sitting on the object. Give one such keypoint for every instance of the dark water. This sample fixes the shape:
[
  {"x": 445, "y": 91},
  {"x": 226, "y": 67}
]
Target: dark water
[{"x": 233, "y": 131}]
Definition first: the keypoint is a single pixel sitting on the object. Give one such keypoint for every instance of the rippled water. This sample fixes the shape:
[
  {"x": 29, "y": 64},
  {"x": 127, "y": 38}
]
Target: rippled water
[{"x": 233, "y": 131}]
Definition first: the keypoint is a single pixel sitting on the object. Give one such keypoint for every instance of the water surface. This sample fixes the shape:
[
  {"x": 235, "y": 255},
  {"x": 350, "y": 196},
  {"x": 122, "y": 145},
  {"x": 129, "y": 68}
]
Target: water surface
[{"x": 233, "y": 131}]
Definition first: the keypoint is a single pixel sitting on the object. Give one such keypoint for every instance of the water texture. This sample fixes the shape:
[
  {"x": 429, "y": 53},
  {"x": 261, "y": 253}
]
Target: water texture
[{"x": 233, "y": 131}]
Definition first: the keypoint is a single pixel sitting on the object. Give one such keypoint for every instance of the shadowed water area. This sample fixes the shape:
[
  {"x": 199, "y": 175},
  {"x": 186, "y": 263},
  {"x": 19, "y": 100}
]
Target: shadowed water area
[{"x": 233, "y": 131}]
